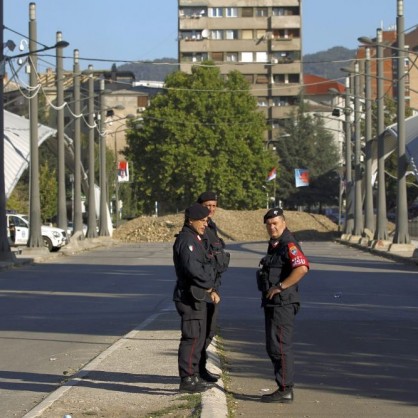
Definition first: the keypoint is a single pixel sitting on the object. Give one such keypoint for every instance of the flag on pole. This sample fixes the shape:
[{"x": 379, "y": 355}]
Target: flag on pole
[
  {"x": 301, "y": 177},
  {"x": 123, "y": 172},
  {"x": 272, "y": 174}
]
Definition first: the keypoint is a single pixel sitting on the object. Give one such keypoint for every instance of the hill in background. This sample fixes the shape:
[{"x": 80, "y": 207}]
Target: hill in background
[
  {"x": 324, "y": 63},
  {"x": 328, "y": 63}
]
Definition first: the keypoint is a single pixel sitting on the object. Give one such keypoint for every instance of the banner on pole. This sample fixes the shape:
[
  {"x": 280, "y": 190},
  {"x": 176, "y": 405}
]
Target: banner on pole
[
  {"x": 301, "y": 177},
  {"x": 123, "y": 172}
]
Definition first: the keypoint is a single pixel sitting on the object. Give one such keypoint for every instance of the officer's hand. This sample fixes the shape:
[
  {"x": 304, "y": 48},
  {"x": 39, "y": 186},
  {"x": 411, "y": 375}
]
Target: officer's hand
[
  {"x": 272, "y": 291},
  {"x": 215, "y": 297}
]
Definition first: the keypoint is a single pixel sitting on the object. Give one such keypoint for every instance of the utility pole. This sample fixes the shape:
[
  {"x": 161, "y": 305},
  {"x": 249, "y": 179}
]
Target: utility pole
[
  {"x": 35, "y": 235},
  {"x": 103, "y": 227},
  {"x": 62, "y": 221},
  {"x": 77, "y": 212},
  {"x": 401, "y": 231},
  {"x": 349, "y": 221},
  {"x": 5, "y": 253},
  {"x": 92, "y": 222},
  {"x": 381, "y": 233},
  {"x": 358, "y": 212},
  {"x": 368, "y": 203}
]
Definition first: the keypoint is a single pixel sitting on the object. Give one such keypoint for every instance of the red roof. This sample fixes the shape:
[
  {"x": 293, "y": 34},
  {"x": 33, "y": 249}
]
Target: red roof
[{"x": 316, "y": 85}]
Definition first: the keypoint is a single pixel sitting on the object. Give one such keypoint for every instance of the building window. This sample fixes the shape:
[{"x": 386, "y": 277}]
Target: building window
[
  {"x": 285, "y": 11},
  {"x": 249, "y": 78},
  {"x": 216, "y": 12},
  {"x": 217, "y": 56},
  {"x": 232, "y": 56},
  {"x": 246, "y": 57},
  {"x": 261, "y": 12},
  {"x": 294, "y": 78},
  {"x": 262, "y": 101},
  {"x": 231, "y": 34},
  {"x": 247, "y": 34},
  {"x": 231, "y": 12},
  {"x": 261, "y": 56},
  {"x": 247, "y": 12},
  {"x": 216, "y": 34},
  {"x": 262, "y": 79},
  {"x": 279, "y": 78},
  {"x": 261, "y": 33}
]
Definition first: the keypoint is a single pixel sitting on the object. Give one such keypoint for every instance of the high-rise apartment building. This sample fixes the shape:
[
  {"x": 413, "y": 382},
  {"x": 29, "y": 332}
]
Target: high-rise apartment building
[{"x": 261, "y": 39}]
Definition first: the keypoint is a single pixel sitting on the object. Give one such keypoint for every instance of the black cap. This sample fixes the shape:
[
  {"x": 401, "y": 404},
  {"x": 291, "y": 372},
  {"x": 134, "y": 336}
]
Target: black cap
[
  {"x": 205, "y": 196},
  {"x": 272, "y": 213},
  {"x": 196, "y": 211}
]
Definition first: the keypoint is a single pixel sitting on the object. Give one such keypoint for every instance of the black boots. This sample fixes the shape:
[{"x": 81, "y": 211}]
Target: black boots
[
  {"x": 207, "y": 376},
  {"x": 194, "y": 384},
  {"x": 279, "y": 396}
]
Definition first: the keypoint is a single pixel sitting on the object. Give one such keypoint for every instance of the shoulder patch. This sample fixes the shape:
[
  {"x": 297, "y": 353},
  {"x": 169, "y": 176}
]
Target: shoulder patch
[{"x": 191, "y": 248}]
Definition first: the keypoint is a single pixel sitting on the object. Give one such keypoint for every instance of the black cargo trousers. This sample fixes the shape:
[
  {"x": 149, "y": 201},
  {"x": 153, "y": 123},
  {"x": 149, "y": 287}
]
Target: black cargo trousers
[
  {"x": 279, "y": 325},
  {"x": 193, "y": 336}
]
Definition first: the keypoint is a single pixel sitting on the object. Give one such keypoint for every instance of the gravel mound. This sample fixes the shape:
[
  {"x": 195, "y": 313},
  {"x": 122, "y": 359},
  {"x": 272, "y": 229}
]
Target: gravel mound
[{"x": 233, "y": 225}]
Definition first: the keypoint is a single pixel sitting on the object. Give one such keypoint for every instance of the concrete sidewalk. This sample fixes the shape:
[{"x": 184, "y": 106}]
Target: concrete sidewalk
[{"x": 136, "y": 376}]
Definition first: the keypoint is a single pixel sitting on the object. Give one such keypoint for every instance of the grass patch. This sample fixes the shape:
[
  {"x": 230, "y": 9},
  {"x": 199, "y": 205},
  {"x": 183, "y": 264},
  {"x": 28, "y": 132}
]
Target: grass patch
[
  {"x": 189, "y": 407},
  {"x": 224, "y": 364}
]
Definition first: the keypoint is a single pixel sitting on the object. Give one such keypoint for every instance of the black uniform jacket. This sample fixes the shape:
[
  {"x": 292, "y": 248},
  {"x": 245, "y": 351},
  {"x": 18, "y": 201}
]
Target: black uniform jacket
[
  {"x": 283, "y": 255},
  {"x": 194, "y": 264},
  {"x": 217, "y": 246}
]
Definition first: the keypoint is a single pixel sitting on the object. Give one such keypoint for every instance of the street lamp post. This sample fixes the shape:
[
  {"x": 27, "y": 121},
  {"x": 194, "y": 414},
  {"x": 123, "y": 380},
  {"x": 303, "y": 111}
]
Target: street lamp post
[
  {"x": 358, "y": 212},
  {"x": 103, "y": 220},
  {"x": 401, "y": 230},
  {"x": 381, "y": 233},
  {"x": 368, "y": 203},
  {"x": 349, "y": 221},
  {"x": 77, "y": 212},
  {"x": 91, "y": 200},
  {"x": 62, "y": 221},
  {"x": 35, "y": 236}
]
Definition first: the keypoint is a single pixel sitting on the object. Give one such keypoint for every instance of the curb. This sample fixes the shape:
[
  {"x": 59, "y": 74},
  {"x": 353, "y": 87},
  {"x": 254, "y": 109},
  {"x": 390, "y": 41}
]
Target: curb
[
  {"x": 385, "y": 254},
  {"x": 214, "y": 404}
]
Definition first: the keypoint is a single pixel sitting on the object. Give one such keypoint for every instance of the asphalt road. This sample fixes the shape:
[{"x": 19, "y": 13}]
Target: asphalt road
[
  {"x": 356, "y": 336},
  {"x": 55, "y": 317}
]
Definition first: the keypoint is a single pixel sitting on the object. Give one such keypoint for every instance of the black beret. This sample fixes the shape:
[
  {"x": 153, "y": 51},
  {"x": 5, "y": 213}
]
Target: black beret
[
  {"x": 272, "y": 213},
  {"x": 197, "y": 211},
  {"x": 205, "y": 196}
]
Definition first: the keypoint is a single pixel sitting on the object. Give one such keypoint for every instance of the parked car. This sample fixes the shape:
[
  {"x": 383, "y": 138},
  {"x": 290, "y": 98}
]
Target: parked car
[
  {"x": 70, "y": 229},
  {"x": 18, "y": 232}
]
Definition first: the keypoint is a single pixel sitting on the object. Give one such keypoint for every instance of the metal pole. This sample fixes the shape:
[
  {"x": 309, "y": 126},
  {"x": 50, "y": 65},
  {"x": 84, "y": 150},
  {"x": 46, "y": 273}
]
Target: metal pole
[
  {"x": 368, "y": 204},
  {"x": 92, "y": 222},
  {"x": 401, "y": 231},
  {"x": 381, "y": 221},
  {"x": 62, "y": 221},
  {"x": 77, "y": 212},
  {"x": 116, "y": 183},
  {"x": 5, "y": 253},
  {"x": 35, "y": 235},
  {"x": 358, "y": 207},
  {"x": 103, "y": 228},
  {"x": 349, "y": 221}
]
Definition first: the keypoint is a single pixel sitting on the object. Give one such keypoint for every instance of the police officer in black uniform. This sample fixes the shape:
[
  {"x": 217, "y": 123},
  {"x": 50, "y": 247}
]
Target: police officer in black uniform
[
  {"x": 281, "y": 270},
  {"x": 210, "y": 200},
  {"x": 194, "y": 265}
]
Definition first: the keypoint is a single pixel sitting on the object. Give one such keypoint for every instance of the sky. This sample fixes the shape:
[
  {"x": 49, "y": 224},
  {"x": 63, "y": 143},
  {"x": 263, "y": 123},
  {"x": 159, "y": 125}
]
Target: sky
[{"x": 107, "y": 31}]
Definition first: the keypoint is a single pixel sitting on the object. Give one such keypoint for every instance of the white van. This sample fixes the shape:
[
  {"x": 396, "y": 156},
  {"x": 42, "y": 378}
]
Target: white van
[{"x": 18, "y": 233}]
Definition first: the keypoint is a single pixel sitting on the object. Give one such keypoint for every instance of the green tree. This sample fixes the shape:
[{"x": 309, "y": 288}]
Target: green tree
[
  {"x": 204, "y": 132},
  {"x": 48, "y": 191},
  {"x": 307, "y": 144}
]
